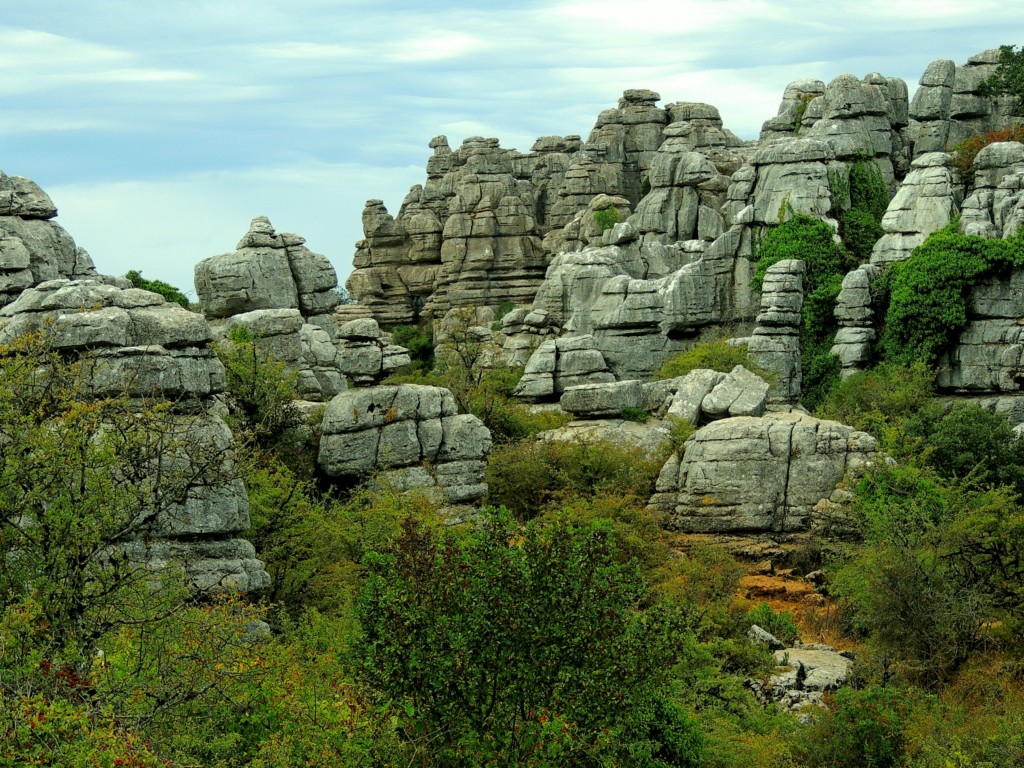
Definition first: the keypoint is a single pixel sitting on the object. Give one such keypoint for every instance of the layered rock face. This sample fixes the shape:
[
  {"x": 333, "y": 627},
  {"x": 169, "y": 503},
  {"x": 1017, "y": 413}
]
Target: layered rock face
[
  {"x": 283, "y": 295},
  {"x": 410, "y": 435},
  {"x": 138, "y": 344},
  {"x": 33, "y": 248},
  {"x": 749, "y": 474},
  {"x": 948, "y": 107}
]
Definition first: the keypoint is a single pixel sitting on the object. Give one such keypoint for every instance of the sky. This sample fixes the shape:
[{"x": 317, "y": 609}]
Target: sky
[{"x": 161, "y": 128}]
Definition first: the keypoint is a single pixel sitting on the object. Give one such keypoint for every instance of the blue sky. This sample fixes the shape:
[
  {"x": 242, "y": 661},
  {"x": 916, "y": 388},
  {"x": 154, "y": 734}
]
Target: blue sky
[{"x": 161, "y": 128}]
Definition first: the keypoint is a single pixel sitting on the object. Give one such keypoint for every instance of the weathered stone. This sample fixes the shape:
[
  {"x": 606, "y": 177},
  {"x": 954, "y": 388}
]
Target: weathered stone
[
  {"x": 597, "y": 400},
  {"x": 740, "y": 393},
  {"x": 758, "y": 474},
  {"x": 409, "y": 433}
]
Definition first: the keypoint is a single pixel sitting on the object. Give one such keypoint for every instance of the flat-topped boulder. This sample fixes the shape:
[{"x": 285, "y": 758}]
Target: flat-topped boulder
[
  {"x": 409, "y": 435},
  {"x": 763, "y": 473}
]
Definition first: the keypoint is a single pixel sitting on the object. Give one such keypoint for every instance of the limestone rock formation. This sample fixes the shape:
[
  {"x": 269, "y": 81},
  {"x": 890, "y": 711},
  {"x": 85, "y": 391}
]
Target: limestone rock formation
[
  {"x": 856, "y": 319},
  {"x": 805, "y": 674},
  {"x": 411, "y": 436},
  {"x": 561, "y": 363},
  {"x": 995, "y": 207},
  {"x": 33, "y": 248},
  {"x": 267, "y": 271},
  {"x": 283, "y": 295},
  {"x": 926, "y": 201},
  {"x": 949, "y": 107},
  {"x": 748, "y": 474},
  {"x": 775, "y": 343},
  {"x": 138, "y": 344}
]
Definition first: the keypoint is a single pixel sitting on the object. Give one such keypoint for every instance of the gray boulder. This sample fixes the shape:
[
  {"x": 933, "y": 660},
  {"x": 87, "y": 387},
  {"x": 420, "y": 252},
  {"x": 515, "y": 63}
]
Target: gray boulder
[
  {"x": 757, "y": 474},
  {"x": 409, "y": 435},
  {"x": 135, "y": 343}
]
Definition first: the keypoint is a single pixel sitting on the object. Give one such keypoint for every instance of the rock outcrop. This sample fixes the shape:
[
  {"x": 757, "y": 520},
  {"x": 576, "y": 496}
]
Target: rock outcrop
[
  {"x": 949, "y": 106},
  {"x": 409, "y": 435},
  {"x": 33, "y": 247},
  {"x": 283, "y": 296},
  {"x": 749, "y": 474},
  {"x": 775, "y": 343},
  {"x": 137, "y": 344}
]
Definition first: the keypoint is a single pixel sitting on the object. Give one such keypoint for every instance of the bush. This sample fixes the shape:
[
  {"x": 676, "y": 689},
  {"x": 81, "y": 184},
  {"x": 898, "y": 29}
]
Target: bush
[
  {"x": 928, "y": 292},
  {"x": 860, "y": 231},
  {"x": 718, "y": 355},
  {"x": 966, "y": 152},
  {"x": 419, "y": 340},
  {"x": 166, "y": 290},
  {"x": 260, "y": 390},
  {"x": 975, "y": 444},
  {"x": 779, "y": 624},
  {"x": 516, "y": 643},
  {"x": 808, "y": 239},
  {"x": 891, "y": 402},
  {"x": 1008, "y": 77},
  {"x": 528, "y": 476},
  {"x": 862, "y": 728},
  {"x": 607, "y": 217}
]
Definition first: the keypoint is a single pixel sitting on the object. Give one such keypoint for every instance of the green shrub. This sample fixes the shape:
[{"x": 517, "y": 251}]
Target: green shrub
[
  {"x": 868, "y": 191},
  {"x": 419, "y": 340},
  {"x": 860, "y": 231},
  {"x": 862, "y": 728},
  {"x": 973, "y": 443},
  {"x": 639, "y": 415},
  {"x": 891, "y": 402},
  {"x": 680, "y": 431},
  {"x": 607, "y": 217},
  {"x": 928, "y": 292},
  {"x": 779, "y": 624},
  {"x": 261, "y": 392},
  {"x": 166, "y": 290},
  {"x": 517, "y": 643},
  {"x": 528, "y": 476},
  {"x": 808, "y": 239},
  {"x": 1008, "y": 78},
  {"x": 717, "y": 355}
]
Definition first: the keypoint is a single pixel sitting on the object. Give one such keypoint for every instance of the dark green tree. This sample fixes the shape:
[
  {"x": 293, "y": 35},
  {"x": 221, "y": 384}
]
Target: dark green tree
[
  {"x": 166, "y": 290},
  {"x": 514, "y": 643}
]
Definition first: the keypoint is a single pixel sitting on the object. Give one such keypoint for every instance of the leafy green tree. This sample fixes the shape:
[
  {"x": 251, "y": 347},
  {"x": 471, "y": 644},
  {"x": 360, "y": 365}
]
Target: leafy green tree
[
  {"x": 81, "y": 477},
  {"x": 166, "y": 290},
  {"x": 514, "y": 643},
  {"x": 1008, "y": 78}
]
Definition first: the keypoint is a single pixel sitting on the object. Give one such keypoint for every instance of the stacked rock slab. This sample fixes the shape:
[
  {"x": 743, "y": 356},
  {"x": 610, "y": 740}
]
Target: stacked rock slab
[
  {"x": 559, "y": 364},
  {"x": 284, "y": 296},
  {"x": 764, "y": 474},
  {"x": 856, "y": 319},
  {"x": 409, "y": 435},
  {"x": 926, "y": 201},
  {"x": 33, "y": 248},
  {"x": 995, "y": 207},
  {"x": 949, "y": 106},
  {"x": 775, "y": 343},
  {"x": 138, "y": 344}
]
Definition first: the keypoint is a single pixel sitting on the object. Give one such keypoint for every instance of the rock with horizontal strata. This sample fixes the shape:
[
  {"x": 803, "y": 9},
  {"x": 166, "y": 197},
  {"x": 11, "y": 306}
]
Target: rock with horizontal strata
[
  {"x": 763, "y": 473},
  {"x": 33, "y": 248},
  {"x": 137, "y": 344},
  {"x": 409, "y": 435}
]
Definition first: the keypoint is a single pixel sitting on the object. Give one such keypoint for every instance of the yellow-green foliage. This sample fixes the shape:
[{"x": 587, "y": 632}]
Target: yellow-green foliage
[
  {"x": 717, "y": 355},
  {"x": 528, "y": 476}
]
